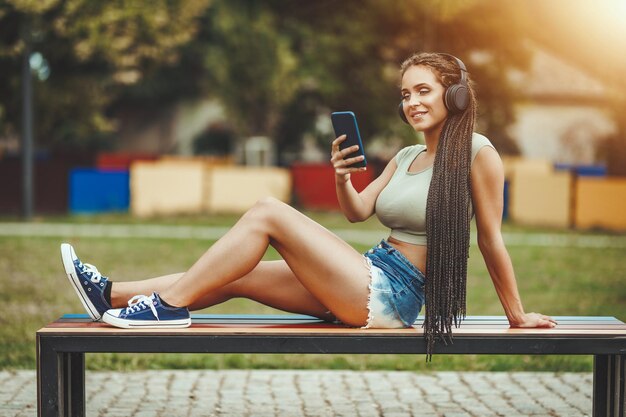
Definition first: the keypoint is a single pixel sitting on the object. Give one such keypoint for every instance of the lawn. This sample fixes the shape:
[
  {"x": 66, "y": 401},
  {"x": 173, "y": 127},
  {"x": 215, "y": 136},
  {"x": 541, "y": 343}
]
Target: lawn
[{"x": 552, "y": 280}]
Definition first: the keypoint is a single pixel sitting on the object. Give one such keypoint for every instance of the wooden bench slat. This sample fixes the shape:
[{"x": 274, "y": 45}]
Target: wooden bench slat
[
  {"x": 215, "y": 324},
  {"x": 249, "y": 318}
]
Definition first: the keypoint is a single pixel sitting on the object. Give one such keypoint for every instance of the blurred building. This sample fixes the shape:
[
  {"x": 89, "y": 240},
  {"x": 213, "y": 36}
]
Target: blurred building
[
  {"x": 167, "y": 130},
  {"x": 562, "y": 113}
]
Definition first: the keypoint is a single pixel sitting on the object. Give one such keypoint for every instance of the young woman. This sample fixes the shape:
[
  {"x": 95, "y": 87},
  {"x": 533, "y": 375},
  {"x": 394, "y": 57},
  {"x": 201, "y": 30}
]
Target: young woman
[{"x": 426, "y": 195}]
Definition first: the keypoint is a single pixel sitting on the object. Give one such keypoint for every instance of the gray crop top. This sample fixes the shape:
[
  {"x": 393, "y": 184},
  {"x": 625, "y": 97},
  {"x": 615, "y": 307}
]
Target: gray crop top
[{"x": 401, "y": 205}]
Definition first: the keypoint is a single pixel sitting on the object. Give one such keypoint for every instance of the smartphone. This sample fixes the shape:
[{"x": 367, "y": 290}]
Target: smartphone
[{"x": 344, "y": 123}]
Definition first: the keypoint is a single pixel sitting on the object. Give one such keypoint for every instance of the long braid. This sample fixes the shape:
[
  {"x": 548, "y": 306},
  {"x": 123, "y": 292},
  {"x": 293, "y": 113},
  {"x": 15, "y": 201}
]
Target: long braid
[{"x": 448, "y": 215}]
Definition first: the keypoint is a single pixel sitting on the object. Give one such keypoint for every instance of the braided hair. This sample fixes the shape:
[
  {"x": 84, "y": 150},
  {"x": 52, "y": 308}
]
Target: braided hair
[{"x": 448, "y": 210}]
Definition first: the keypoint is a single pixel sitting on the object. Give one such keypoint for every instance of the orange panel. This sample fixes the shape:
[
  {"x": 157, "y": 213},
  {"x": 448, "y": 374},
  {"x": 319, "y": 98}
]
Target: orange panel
[{"x": 601, "y": 202}]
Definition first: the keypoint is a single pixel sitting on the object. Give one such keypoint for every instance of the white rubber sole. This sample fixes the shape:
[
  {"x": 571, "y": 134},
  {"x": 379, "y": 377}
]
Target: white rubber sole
[
  {"x": 68, "y": 255},
  {"x": 141, "y": 324}
]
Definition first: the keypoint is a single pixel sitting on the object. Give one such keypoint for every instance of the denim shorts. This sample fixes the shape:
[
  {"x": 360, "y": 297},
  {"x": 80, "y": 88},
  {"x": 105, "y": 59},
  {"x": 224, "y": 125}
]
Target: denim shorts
[{"x": 396, "y": 288}]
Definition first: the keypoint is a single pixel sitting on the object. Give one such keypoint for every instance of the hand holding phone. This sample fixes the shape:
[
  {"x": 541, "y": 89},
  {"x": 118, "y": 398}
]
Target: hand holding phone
[{"x": 344, "y": 123}]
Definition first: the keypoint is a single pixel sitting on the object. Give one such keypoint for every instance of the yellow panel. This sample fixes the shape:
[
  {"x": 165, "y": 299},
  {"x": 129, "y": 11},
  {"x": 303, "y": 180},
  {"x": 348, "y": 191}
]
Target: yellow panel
[
  {"x": 236, "y": 189},
  {"x": 516, "y": 164},
  {"x": 601, "y": 202},
  {"x": 166, "y": 188},
  {"x": 541, "y": 198}
]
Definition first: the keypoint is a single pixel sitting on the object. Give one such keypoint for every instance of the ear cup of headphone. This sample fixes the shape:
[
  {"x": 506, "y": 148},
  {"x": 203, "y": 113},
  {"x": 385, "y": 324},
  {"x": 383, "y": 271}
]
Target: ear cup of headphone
[
  {"x": 456, "y": 98},
  {"x": 401, "y": 113}
]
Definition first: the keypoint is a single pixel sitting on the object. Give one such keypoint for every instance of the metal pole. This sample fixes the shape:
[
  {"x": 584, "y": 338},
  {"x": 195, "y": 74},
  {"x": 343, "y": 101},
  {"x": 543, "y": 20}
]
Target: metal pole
[{"x": 27, "y": 128}]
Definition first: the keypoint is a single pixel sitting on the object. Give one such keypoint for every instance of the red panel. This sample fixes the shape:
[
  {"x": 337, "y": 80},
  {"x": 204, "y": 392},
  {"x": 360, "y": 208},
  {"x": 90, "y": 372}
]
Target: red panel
[
  {"x": 121, "y": 161},
  {"x": 314, "y": 185}
]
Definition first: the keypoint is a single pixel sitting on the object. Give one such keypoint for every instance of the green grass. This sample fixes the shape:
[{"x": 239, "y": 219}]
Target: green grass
[
  {"x": 554, "y": 281},
  {"x": 328, "y": 219}
]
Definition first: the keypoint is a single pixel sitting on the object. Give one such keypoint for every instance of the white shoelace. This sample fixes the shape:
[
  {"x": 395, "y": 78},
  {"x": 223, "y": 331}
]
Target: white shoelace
[
  {"x": 96, "y": 276},
  {"x": 140, "y": 302}
]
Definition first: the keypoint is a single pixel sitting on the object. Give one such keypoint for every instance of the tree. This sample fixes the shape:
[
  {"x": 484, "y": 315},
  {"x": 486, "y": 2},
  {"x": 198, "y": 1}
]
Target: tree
[
  {"x": 275, "y": 65},
  {"x": 250, "y": 65},
  {"x": 93, "y": 51},
  {"x": 350, "y": 54}
]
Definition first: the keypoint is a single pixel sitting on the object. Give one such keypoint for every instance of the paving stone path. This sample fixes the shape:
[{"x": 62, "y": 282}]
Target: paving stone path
[{"x": 315, "y": 393}]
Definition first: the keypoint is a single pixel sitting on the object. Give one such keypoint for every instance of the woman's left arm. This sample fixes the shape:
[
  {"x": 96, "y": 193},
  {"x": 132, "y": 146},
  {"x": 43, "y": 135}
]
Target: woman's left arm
[{"x": 487, "y": 195}]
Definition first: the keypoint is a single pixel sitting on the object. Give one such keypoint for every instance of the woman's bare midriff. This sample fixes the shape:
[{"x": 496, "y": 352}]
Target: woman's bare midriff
[{"x": 414, "y": 253}]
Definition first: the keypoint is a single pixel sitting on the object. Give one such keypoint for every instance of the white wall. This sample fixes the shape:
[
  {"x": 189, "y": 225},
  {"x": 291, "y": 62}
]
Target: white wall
[{"x": 560, "y": 133}]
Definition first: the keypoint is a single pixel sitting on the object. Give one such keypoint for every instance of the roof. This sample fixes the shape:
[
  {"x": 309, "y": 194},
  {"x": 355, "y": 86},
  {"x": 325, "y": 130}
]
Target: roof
[{"x": 550, "y": 78}]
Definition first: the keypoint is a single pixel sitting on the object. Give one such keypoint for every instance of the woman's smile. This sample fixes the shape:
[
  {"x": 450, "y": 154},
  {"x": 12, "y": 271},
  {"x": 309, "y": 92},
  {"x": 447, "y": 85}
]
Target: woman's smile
[{"x": 417, "y": 115}]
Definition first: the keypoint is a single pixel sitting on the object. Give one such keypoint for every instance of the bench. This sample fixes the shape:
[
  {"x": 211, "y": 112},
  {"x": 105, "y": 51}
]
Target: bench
[{"x": 61, "y": 347}]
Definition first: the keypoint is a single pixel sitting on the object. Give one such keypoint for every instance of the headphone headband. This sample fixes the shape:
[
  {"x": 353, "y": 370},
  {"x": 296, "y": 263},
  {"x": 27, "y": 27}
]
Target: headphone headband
[{"x": 459, "y": 63}]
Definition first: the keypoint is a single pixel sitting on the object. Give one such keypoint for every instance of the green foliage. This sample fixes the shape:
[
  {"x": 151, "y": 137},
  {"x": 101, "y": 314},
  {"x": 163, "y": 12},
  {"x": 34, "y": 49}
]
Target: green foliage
[
  {"x": 275, "y": 65},
  {"x": 351, "y": 51},
  {"x": 94, "y": 51},
  {"x": 250, "y": 64}
]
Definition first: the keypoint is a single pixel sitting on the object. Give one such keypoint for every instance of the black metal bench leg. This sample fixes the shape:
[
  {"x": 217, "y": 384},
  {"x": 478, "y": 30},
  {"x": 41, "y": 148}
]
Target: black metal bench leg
[
  {"x": 61, "y": 381},
  {"x": 73, "y": 365},
  {"x": 620, "y": 384},
  {"x": 49, "y": 400},
  {"x": 609, "y": 385}
]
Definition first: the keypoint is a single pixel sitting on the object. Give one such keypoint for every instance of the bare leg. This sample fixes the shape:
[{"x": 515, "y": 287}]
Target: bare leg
[
  {"x": 122, "y": 291},
  {"x": 327, "y": 267},
  {"x": 274, "y": 284},
  {"x": 271, "y": 283}
]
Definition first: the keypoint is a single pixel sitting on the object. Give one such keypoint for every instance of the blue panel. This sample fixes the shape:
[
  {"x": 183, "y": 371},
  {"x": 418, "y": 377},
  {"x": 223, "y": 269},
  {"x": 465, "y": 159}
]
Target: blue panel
[
  {"x": 505, "y": 210},
  {"x": 591, "y": 170},
  {"x": 583, "y": 170},
  {"x": 99, "y": 191},
  {"x": 563, "y": 167}
]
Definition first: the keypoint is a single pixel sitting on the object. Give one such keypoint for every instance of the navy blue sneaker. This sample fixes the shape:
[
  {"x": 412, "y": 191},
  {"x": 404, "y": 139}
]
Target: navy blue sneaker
[
  {"x": 148, "y": 313},
  {"x": 87, "y": 281}
]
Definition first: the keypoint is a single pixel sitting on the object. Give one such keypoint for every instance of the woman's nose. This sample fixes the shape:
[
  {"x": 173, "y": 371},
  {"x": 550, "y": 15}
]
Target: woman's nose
[{"x": 413, "y": 100}]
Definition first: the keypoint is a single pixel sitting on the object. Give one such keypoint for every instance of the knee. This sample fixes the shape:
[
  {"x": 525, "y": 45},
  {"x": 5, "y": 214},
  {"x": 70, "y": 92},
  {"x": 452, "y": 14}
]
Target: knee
[
  {"x": 267, "y": 207},
  {"x": 269, "y": 203},
  {"x": 265, "y": 211}
]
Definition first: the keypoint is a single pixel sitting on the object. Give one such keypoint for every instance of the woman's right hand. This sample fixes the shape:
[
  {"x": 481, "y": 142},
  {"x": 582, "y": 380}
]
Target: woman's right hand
[
  {"x": 535, "y": 320},
  {"x": 340, "y": 163}
]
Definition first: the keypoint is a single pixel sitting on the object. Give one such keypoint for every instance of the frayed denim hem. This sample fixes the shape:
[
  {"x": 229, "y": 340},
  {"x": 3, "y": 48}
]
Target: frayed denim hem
[{"x": 380, "y": 314}]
